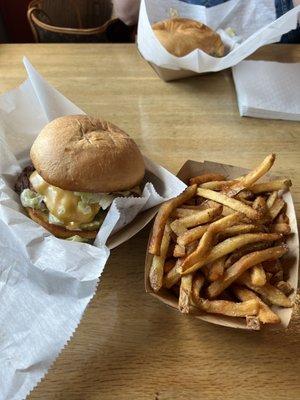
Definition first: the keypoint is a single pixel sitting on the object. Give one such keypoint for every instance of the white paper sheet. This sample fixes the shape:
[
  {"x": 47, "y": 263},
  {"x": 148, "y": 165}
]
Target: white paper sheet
[
  {"x": 253, "y": 21},
  {"x": 268, "y": 89},
  {"x": 46, "y": 283}
]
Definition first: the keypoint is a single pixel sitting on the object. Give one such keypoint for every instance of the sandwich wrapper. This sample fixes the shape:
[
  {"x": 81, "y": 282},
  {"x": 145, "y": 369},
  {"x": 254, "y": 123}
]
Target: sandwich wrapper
[
  {"x": 267, "y": 89},
  {"x": 46, "y": 283},
  {"x": 253, "y": 22},
  {"x": 194, "y": 168}
]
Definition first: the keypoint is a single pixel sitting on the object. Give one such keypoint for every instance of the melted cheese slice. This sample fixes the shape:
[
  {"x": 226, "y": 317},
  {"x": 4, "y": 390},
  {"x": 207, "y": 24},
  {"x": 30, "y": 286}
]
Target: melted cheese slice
[{"x": 63, "y": 204}]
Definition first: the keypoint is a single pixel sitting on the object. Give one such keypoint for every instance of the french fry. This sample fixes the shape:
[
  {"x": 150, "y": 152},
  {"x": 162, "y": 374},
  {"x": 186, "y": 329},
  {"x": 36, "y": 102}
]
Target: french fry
[
  {"x": 242, "y": 265},
  {"x": 216, "y": 269},
  {"x": 229, "y": 308},
  {"x": 198, "y": 282},
  {"x": 163, "y": 215},
  {"x": 260, "y": 205},
  {"x": 198, "y": 180},
  {"x": 253, "y": 322},
  {"x": 207, "y": 239},
  {"x": 197, "y": 218},
  {"x": 193, "y": 262},
  {"x": 179, "y": 251},
  {"x": 191, "y": 207},
  {"x": 249, "y": 248},
  {"x": 248, "y": 180},
  {"x": 271, "y": 199},
  {"x": 265, "y": 314},
  {"x": 238, "y": 230},
  {"x": 216, "y": 185},
  {"x": 173, "y": 276},
  {"x": 185, "y": 294},
  {"x": 258, "y": 275},
  {"x": 269, "y": 292},
  {"x": 169, "y": 264},
  {"x": 282, "y": 228},
  {"x": 284, "y": 287},
  {"x": 157, "y": 267},
  {"x": 184, "y": 212},
  {"x": 191, "y": 235},
  {"x": 276, "y": 208},
  {"x": 283, "y": 184},
  {"x": 229, "y": 202}
]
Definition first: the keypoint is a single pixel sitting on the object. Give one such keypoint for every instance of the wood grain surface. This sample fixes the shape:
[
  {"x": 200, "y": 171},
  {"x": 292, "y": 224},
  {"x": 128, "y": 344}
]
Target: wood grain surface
[{"x": 128, "y": 345}]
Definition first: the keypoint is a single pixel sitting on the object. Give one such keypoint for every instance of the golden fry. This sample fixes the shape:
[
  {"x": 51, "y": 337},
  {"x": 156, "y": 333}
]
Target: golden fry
[
  {"x": 184, "y": 212},
  {"x": 216, "y": 269},
  {"x": 283, "y": 184},
  {"x": 197, "y": 218},
  {"x": 179, "y": 251},
  {"x": 238, "y": 230},
  {"x": 163, "y": 215},
  {"x": 185, "y": 294},
  {"x": 157, "y": 267},
  {"x": 229, "y": 308},
  {"x": 192, "y": 234},
  {"x": 258, "y": 275},
  {"x": 198, "y": 282},
  {"x": 193, "y": 262},
  {"x": 276, "y": 208},
  {"x": 229, "y": 202},
  {"x": 248, "y": 180},
  {"x": 271, "y": 199},
  {"x": 265, "y": 314},
  {"x": 216, "y": 185},
  {"x": 198, "y": 180},
  {"x": 242, "y": 265},
  {"x": 260, "y": 205},
  {"x": 269, "y": 292}
]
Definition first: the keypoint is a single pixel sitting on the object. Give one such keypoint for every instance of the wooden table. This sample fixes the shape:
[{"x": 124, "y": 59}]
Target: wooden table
[{"x": 128, "y": 345}]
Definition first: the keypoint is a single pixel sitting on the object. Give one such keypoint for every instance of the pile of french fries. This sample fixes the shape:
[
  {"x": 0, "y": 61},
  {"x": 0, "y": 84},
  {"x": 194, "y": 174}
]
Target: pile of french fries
[{"x": 218, "y": 246}]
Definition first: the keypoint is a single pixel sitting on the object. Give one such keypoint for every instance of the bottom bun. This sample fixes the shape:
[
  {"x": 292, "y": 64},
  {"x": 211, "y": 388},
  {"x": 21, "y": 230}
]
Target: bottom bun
[{"x": 56, "y": 230}]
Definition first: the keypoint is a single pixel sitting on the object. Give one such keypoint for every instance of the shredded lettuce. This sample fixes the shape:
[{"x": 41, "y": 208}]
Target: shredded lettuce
[
  {"x": 54, "y": 220},
  {"x": 31, "y": 199},
  {"x": 77, "y": 238}
]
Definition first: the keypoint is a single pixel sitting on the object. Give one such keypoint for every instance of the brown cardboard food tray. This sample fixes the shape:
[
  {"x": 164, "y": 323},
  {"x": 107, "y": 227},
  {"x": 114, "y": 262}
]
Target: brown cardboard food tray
[{"x": 193, "y": 168}]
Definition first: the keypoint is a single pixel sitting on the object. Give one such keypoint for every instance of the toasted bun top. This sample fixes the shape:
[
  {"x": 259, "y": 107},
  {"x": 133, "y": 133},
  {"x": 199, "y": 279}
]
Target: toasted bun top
[
  {"x": 180, "y": 36},
  {"x": 86, "y": 154}
]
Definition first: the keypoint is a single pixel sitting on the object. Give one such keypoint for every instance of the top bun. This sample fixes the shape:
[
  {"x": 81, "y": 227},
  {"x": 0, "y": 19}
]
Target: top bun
[
  {"x": 86, "y": 154},
  {"x": 180, "y": 36}
]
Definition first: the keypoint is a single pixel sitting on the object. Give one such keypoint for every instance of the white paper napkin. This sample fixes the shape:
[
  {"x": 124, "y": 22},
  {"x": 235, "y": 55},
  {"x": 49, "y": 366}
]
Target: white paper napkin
[
  {"x": 268, "y": 89},
  {"x": 46, "y": 283},
  {"x": 254, "y": 22}
]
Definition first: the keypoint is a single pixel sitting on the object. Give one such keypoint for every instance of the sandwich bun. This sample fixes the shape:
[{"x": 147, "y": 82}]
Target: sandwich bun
[
  {"x": 86, "y": 154},
  {"x": 180, "y": 36}
]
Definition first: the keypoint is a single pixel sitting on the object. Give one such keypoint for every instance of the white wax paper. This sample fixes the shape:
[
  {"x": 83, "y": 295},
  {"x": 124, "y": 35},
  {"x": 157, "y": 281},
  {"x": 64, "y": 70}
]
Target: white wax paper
[
  {"x": 46, "y": 283},
  {"x": 254, "y": 22}
]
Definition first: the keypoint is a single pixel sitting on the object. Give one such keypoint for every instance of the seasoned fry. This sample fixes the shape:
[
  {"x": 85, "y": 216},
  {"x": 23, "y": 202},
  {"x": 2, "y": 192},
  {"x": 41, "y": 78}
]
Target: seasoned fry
[
  {"x": 216, "y": 185},
  {"x": 282, "y": 228},
  {"x": 216, "y": 269},
  {"x": 249, "y": 248},
  {"x": 283, "y": 184},
  {"x": 185, "y": 294},
  {"x": 258, "y": 275},
  {"x": 193, "y": 262},
  {"x": 237, "y": 269},
  {"x": 253, "y": 322},
  {"x": 248, "y": 180},
  {"x": 198, "y": 283},
  {"x": 265, "y": 314},
  {"x": 271, "y": 199},
  {"x": 184, "y": 212},
  {"x": 157, "y": 267},
  {"x": 284, "y": 287},
  {"x": 169, "y": 264},
  {"x": 260, "y": 205},
  {"x": 198, "y": 180},
  {"x": 191, "y": 235},
  {"x": 197, "y": 218},
  {"x": 191, "y": 207},
  {"x": 229, "y": 202},
  {"x": 207, "y": 240},
  {"x": 162, "y": 216},
  {"x": 179, "y": 251},
  {"x": 269, "y": 292},
  {"x": 238, "y": 230},
  {"x": 229, "y": 308},
  {"x": 276, "y": 208}
]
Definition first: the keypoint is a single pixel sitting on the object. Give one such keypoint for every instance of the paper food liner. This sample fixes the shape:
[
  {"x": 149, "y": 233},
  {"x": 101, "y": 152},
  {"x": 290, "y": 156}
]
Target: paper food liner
[
  {"x": 46, "y": 283},
  {"x": 254, "y": 24},
  {"x": 194, "y": 168}
]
